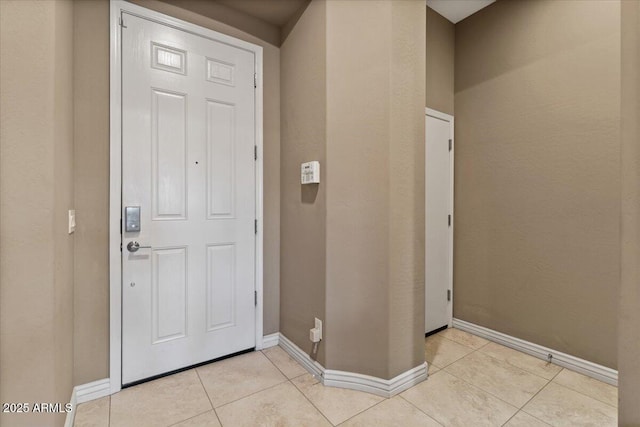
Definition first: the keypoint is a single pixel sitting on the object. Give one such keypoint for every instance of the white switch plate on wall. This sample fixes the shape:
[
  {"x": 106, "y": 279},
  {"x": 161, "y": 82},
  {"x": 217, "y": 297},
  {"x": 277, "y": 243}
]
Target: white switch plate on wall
[
  {"x": 72, "y": 220},
  {"x": 310, "y": 172}
]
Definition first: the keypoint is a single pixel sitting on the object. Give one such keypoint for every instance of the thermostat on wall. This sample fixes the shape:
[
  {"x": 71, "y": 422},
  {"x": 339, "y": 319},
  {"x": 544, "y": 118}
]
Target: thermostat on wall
[{"x": 310, "y": 173}]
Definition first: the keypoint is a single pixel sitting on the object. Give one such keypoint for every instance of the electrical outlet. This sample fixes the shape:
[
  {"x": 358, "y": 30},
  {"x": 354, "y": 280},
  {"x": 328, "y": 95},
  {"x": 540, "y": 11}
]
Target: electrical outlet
[
  {"x": 315, "y": 334},
  {"x": 72, "y": 221},
  {"x": 318, "y": 326}
]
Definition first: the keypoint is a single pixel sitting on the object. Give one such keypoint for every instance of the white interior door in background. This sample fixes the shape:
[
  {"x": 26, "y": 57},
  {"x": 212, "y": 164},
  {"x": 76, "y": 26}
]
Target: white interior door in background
[
  {"x": 188, "y": 136},
  {"x": 438, "y": 220}
]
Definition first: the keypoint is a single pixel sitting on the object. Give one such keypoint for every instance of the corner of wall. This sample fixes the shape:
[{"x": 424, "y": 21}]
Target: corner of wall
[
  {"x": 303, "y": 208},
  {"x": 629, "y": 303}
]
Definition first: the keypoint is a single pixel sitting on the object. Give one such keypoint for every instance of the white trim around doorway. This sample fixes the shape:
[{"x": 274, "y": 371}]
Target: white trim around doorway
[{"x": 117, "y": 7}]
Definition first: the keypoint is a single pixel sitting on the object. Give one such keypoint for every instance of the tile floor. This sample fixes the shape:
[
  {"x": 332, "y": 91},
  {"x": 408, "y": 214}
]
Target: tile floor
[{"x": 472, "y": 382}]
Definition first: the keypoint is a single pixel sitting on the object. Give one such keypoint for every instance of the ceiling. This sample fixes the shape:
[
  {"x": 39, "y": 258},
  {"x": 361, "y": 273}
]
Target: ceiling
[
  {"x": 274, "y": 12},
  {"x": 457, "y": 10},
  {"x": 280, "y": 12}
]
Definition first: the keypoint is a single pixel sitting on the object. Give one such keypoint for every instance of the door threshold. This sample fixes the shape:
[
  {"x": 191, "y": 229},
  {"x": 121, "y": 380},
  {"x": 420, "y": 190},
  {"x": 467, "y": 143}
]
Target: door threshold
[
  {"x": 186, "y": 368},
  {"x": 435, "y": 331}
]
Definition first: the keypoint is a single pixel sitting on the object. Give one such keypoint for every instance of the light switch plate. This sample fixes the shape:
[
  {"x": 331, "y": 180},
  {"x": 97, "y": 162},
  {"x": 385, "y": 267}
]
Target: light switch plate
[{"x": 72, "y": 220}]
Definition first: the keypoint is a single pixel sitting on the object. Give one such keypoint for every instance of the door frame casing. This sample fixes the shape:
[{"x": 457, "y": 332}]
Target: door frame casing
[
  {"x": 115, "y": 170},
  {"x": 447, "y": 118}
]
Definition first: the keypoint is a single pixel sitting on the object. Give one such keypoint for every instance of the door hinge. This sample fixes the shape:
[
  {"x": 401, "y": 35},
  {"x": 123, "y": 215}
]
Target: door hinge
[
  {"x": 121, "y": 22},
  {"x": 255, "y": 298},
  {"x": 449, "y": 220},
  {"x": 255, "y": 152},
  {"x": 255, "y": 80},
  {"x": 120, "y": 225},
  {"x": 448, "y": 294},
  {"x": 450, "y": 144},
  {"x": 255, "y": 226}
]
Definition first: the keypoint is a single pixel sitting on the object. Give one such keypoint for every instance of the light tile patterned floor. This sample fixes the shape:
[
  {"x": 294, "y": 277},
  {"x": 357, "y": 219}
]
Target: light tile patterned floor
[{"x": 472, "y": 382}]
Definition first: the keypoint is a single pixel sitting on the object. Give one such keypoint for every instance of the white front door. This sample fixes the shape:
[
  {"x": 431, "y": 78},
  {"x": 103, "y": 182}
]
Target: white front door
[
  {"x": 438, "y": 221},
  {"x": 188, "y": 136}
]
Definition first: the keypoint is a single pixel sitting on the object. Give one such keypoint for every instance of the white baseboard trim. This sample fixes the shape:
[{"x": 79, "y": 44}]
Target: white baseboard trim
[
  {"x": 314, "y": 368},
  {"x": 93, "y": 390},
  {"x": 375, "y": 385},
  {"x": 271, "y": 340},
  {"x": 352, "y": 380},
  {"x": 84, "y": 393},
  {"x": 593, "y": 370}
]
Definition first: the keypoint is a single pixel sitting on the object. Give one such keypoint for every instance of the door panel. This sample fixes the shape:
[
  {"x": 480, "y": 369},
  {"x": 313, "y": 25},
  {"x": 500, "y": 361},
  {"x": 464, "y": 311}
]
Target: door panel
[
  {"x": 169, "y": 294},
  {"x": 437, "y": 229},
  {"x": 220, "y": 286},
  {"x": 168, "y": 154},
  {"x": 220, "y": 179},
  {"x": 188, "y": 136}
]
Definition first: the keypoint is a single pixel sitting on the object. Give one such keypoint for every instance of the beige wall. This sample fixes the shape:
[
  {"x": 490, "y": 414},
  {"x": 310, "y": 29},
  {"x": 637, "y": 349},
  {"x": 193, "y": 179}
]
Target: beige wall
[
  {"x": 440, "y": 62},
  {"x": 91, "y": 173},
  {"x": 537, "y": 198},
  {"x": 357, "y": 175},
  {"x": 406, "y": 181},
  {"x": 63, "y": 193},
  {"x": 372, "y": 189},
  {"x": 303, "y": 208},
  {"x": 375, "y": 223},
  {"x": 91, "y": 327},
  {"x": 36, "y": 190},
  {"x": 629, "y": 319}
]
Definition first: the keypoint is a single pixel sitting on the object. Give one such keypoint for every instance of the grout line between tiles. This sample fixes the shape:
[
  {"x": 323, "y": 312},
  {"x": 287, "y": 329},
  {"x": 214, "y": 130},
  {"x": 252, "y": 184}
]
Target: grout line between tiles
[
  {"x": 579, "y": 392},
  {"x": 109, "y": 416},
  {"x": 517, "y": 351},
  {"x": 190, "y": 418},
  {"x": 275, "y": 385},
  {"x": 411, "y": 403},
  {"x": 536, "y": 418},
  {"x": 526, "y": 403},
  {"x": 273, "y": 363},
  {"x": 532, "y": 397},
  {"x": 309, "y": 400},
  {"x": 558, "y": 373},
  {"x": 240, "y": 398},
  {"x": 513, "y": 366},
  {"x": 299, "y": 390},
  {"x": 522, "y": 369},
  {"x": 208, "y": 397},
  {"x": 584, "y": 394},
  {"x": 511, "y": 417},
  {"x": 298, "y": 376},
  {"x": 278, "y": 368},
  {"x": 482, "y": 390},
  {"x": 506, "y": 362},
  {"x": 522, "y": 409},
  {"x": 248, "y": 395},
  {"x": 371, "y": 407},
  {"x": 510, "y": 404},
  {"x": 458, "y": 342},
  {"x": 457, "y": 360}
]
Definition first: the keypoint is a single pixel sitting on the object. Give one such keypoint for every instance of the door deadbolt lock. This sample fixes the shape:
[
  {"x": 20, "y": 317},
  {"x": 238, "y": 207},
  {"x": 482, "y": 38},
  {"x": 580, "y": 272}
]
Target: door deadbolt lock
[{"x": 132, "y": 219}]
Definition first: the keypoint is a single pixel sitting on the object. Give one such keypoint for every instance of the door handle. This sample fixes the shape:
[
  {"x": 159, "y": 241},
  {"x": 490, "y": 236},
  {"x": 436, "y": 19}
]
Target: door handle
[{"x": 134, "y": 246}]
